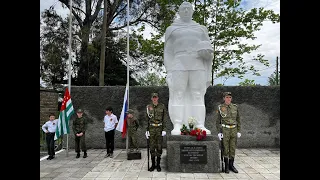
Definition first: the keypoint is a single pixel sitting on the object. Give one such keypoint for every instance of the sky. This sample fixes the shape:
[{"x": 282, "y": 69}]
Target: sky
[{"x": 268, "y": 36}]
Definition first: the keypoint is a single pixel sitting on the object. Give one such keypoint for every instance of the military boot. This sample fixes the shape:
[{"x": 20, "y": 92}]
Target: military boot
[
  {"x": 78, "y": 155},
  {"x": 85, "y": 154},
  {"x": 226, "y": 165},
  {"x": 158, "y": 164},
  {"x": 153, "y": 166},
  {"x": 232, "y": 168}
]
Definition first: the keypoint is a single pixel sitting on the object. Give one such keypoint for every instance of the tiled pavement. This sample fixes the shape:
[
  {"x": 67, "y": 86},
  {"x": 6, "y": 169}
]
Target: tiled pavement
[{"x": 251, "y": 164}]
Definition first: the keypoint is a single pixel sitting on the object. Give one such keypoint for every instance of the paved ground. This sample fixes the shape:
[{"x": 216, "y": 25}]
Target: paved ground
[{"x": 251, "y": 164}]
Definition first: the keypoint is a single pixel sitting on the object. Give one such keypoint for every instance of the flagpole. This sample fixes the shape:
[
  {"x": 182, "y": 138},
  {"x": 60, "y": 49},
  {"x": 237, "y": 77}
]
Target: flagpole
[
  {"x": 69, "y": 67},
  {"x": 128, "y": 58}
]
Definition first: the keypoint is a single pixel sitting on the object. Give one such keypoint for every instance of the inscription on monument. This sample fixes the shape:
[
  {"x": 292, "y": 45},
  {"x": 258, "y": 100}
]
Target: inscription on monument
[{"x": 194, "y": 154}]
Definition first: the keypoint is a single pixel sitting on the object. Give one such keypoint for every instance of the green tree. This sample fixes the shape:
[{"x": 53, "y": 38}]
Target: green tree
[
  {"x": 54, "y": 54},
  {"x": 151, "y": 79},
  {"x": 53, "y": 49},
  {"x": 247, "y": 82},
  {"x": 86, "y": 13},
  {"x": 272, "y": 80},
  {"x": 229, "y": 26}
]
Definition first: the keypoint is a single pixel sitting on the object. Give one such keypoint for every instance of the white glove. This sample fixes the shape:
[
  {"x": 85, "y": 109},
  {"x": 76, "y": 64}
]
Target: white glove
[
  {"x": 147, "y": 134},
  {"x": 163, "y": 133},
  {"x": 220, "y": 136},
  {"x": 238, "y": 135}
]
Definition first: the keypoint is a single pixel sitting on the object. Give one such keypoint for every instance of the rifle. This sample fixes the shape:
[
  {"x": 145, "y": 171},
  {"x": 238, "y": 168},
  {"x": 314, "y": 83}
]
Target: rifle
[
  {"x": 162, "y": 120},
  {"x": 222, "y": 149},
  {"x": 221, "y": 142},
  {"x": 148, "y": 141}
]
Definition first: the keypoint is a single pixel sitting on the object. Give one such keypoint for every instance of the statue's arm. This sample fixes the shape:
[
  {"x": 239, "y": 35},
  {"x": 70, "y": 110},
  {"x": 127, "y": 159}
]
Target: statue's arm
[
  {"x": 205, "y": 36},
  {"x": 206, "y": 44},
  {"x": 168, "y": 52}
]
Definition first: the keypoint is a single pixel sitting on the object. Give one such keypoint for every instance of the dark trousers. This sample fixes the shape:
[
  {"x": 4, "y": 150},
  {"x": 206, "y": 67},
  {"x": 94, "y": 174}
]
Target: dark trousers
[
  {"x": 80, "y": 140},
  {"x": 50, "y": 143},
  {"x": 109, "y": 141}
]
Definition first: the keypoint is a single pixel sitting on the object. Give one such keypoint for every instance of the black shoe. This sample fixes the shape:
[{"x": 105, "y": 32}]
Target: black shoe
[
  {"x": 231, "y": 167},
  {"x": 153, "y": 166},
  {"x": 52, "y": 157},
  {"x": 85, "y": 155},
  {"x": 226, "y": 165},
  {"x": 78, "y": 155},
  {"x": 158, "y": 164},
  {"x": 49, "y": 158}
]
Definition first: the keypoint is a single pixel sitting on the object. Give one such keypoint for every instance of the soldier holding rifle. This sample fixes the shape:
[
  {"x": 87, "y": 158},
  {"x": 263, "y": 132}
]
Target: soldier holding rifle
[{"x": 156, "y": 129}]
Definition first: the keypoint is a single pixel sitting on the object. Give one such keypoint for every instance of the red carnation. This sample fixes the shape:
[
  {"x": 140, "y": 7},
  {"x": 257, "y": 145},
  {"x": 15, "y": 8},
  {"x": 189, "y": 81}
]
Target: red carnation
[{"x": 198, "y": 137}]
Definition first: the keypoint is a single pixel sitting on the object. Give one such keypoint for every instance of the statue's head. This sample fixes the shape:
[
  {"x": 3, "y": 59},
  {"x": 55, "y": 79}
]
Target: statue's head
[{"x": 186, "y": 11}]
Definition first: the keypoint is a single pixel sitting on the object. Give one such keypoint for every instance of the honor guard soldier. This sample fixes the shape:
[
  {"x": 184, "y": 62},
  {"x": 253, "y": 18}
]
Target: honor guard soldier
[
  {"x": 156, "y": 129},
  {"x": 228, "y": 125}
]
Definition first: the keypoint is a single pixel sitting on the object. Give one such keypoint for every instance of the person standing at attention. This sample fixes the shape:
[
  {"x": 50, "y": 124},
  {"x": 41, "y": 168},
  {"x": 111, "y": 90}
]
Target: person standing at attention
[
  {"x": 229, "y": 126},
  {"x": 50, "y": 129},
  {"x": 110, "y": 123},
  {"x": 157, "y": 120},
  {"x": 79, "y": 129}
]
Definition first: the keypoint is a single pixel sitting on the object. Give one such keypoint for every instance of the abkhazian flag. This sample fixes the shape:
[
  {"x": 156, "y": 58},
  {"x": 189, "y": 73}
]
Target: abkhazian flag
[
  {"x": 122, "y": 125},
  {"x": 66, "y": 111}
]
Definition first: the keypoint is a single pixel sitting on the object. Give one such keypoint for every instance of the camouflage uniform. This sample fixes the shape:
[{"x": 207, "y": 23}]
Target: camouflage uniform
[
  {"x": 156, "y": 115},
  {"x": 133, "y": 125},
  {"x": 228, "y": 122},
  {"x": 80, "y": 125}
]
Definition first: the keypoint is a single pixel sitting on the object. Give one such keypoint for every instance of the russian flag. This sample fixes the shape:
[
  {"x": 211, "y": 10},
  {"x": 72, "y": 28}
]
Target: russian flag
[{"x": 122, "y": 125}]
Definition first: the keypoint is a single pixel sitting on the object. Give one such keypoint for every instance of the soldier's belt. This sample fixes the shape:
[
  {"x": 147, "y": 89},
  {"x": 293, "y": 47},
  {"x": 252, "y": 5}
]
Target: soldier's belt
[
  {"x": 152, "y": 124},
  {"x": 228, "y": 126}
]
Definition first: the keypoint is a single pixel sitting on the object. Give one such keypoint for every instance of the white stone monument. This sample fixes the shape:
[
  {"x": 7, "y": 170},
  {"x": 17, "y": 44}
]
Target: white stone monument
[{"x": 188, "y": 61}]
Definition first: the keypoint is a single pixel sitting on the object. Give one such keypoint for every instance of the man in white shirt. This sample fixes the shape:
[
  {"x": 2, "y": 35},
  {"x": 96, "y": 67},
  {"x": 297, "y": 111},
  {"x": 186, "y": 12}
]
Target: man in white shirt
[
  {"x": 110, "y": 123},
  {"x": 50, "y": 128}
]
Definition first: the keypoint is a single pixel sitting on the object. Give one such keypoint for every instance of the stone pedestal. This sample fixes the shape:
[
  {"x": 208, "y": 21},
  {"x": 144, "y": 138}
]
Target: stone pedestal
[
  {"x": 133, "y": 155},
  {"x": 186, "y": 154}
]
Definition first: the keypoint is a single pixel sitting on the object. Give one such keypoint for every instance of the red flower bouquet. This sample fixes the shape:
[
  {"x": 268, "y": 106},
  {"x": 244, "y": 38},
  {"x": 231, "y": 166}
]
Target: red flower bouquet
[{"x": 200, "y": 134}]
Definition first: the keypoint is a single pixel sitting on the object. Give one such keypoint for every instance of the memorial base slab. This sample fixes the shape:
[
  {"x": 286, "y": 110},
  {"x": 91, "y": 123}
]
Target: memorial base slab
[{"x": 186, "y": 154}]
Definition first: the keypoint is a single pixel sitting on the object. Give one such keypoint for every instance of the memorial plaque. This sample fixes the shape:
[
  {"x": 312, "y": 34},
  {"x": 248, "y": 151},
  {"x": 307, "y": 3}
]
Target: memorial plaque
[{"x": 194, "y": 154}]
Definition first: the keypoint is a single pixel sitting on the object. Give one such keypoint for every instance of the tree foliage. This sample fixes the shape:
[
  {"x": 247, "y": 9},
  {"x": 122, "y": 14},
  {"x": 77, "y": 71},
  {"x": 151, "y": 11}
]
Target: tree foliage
[
  {"x": 229, "y": 27},
  {"x": 152, "y": 79},
  {"x": 87, "y": 25},
  {"x": 272, "y": 80},
  {"x": 53, "y": 48},
  {"x": 247, "y": 82}
]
